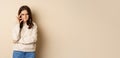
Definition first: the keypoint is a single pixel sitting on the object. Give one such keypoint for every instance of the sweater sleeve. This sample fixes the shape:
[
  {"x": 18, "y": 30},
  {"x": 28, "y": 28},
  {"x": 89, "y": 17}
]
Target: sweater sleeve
[{"x": 15, "y": 32}]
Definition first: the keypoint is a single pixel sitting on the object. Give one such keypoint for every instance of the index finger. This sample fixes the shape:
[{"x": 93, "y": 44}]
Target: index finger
[{"x": 19, "y": 15}]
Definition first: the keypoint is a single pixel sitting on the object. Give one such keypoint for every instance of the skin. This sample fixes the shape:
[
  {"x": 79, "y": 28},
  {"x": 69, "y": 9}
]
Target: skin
[{"x": 22, "y": 17}]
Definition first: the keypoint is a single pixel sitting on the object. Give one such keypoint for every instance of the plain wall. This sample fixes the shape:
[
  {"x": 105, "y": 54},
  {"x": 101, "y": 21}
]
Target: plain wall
[{"x": 66, "y": 28}]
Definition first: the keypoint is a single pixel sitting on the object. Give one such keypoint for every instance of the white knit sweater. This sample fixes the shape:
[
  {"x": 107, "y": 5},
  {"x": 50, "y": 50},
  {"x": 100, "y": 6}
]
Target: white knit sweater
[{"x": 27, "y": 39}]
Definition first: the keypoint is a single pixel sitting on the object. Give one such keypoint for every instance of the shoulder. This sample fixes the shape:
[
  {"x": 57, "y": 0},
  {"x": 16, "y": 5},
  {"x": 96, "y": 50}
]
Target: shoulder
[
  {"x": 16, "y": 26},
  {"x": 34, "y": 25}
]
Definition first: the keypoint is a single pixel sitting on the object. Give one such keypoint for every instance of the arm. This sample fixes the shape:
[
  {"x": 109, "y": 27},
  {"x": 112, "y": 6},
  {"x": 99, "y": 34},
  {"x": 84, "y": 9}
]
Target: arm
[
  {"x": 15, "y": 33},
  {"x": 33, "y": 37}
]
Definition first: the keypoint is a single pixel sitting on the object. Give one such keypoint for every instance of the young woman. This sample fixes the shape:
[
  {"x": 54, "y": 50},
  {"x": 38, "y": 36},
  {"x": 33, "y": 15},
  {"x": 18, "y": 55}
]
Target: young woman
[{"x": 24, "y": 34}]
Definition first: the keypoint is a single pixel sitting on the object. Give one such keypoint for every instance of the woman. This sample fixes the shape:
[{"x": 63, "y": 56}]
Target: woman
[{"x": 24, "y": 34}]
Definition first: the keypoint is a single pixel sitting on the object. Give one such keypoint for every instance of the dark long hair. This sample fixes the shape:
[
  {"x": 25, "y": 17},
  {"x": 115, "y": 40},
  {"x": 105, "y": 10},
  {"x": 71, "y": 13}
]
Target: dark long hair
[{"x": 29, "y": 21}]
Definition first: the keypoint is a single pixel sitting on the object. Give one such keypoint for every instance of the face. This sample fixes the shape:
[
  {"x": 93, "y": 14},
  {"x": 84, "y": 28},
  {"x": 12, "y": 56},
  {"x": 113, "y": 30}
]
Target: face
[{"x": 24, "y": 15}]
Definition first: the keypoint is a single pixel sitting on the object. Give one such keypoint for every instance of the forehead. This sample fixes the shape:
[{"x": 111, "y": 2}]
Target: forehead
[{"x": 24, "y": 12}]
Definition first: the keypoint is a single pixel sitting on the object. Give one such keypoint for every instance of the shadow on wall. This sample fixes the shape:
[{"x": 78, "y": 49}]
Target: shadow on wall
[{"x": 40, "y": 41}]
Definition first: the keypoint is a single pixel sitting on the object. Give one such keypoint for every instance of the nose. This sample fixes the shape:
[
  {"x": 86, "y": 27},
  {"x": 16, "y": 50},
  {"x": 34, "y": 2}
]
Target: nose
[{"x": 25, "y": 16}]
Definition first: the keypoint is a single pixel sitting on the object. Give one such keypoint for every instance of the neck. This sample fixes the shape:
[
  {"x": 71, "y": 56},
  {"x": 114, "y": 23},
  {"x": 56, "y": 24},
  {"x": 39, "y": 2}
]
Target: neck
[{"x": 24, "y": 22}]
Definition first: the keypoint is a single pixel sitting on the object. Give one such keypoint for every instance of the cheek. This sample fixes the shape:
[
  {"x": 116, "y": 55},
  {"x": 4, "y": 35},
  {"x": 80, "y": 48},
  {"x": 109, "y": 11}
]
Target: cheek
[
  {"x": 22, "y": 17},
  {"x": 27, "y": 17}
]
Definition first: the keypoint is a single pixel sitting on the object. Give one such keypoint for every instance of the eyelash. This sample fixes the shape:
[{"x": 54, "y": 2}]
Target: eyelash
[{"x": 23, "y": 14}]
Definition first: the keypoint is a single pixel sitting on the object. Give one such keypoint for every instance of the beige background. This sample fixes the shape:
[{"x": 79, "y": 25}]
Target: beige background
[{"x": 67, "y": 28}]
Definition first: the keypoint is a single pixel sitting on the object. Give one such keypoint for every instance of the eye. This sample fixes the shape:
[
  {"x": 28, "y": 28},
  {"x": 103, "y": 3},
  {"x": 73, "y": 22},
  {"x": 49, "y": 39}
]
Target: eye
[
  {"x": 26, "y": 14},
  {"x": 22, "y": 14}
]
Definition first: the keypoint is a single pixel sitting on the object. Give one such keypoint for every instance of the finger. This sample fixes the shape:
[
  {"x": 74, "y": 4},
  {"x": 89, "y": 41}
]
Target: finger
[
  {"x": 19, "y": 15},
  {"x": 21, "y": 20},
  {"x": 18, "y": 18}
]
